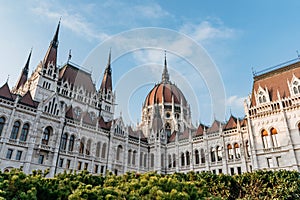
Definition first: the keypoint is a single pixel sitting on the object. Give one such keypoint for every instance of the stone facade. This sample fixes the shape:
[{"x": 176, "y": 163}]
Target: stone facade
[{"x": 57, "y": 119}]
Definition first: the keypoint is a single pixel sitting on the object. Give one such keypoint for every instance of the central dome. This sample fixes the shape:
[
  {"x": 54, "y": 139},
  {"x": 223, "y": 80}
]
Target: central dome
[{"x": 163, "y": 93}]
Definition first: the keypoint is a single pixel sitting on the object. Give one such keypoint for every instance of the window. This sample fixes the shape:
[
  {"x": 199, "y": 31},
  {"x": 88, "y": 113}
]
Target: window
[
  {"x": 220, "y": 171},
  {"x": 230, "y": 152},
  {"x": 68, "y": 164},
  {"x": 96, "y": 169},
  {"x": 119, "y": 151},
  {"x": 133, "y": 157},
  {"x": 248, "y": 149},
  {"x": 9, "y": 153},
  {"x": 213, "y": 155},
  {"x": 88, "y": 147},
  {"x": 24, "y": 132},
  {"x": 46, "y": 135},
  {"x": 187, "y": 158},
  {"x": 182, "y": 159},
  {"x": 174, "y": 160},
  {"x": 2, "y": 122},
  {"x": 202, "y": 156},
  {"x": 41, "y": 159},
  {"x": 81, "y": 147},
  {"x": 237, "y": 151},
  {"x": 278, "y": 161},
  {"x": 270, "y": 162},
  {"x": 98, "y": 149},
  {"x": 129, "y": 157},
  {"x": 71, "y": 143},
  {"x": 274, "y": 137},
  {"x": 141, "y": 159},
  {"x": 196, "y": 157},
  {"x": 265, "y": 138},
  {"x": 239, "y": 170},
  {"x": 169, "y": 161},
  {"x": 86, "y": 166},
  {"x": 63, "y": 143},
  {"x": 102, "y": 169},
  {"x": 219, "y": 153},
  {"x": 61, "y": 162},
  {"x": 15, "y": 130},
  {"x": 103, "y": 153},
  {"x": 18, "y": 155},
  {"x": 79, "y": 165},
  {"x": 152, "y": 160},
  {"x": 145, "y": 160},
  {"x": 232, "y": 171}
]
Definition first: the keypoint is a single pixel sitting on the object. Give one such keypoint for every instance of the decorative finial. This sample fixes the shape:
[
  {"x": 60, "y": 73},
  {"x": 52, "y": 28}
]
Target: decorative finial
[
  {"x": 7, "y": 78},
  {"x": 70, "y": 55},
  {"x": 165, "y": 75}
]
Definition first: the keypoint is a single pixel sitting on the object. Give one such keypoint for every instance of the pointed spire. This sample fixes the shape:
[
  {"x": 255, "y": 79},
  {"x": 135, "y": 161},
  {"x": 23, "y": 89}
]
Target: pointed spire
[
  {"x": 51, "y": 55},
  {"x": 165, "y": 74},
  {"x": 106, "y": 81},
  {"x": 24, "y": 74}
]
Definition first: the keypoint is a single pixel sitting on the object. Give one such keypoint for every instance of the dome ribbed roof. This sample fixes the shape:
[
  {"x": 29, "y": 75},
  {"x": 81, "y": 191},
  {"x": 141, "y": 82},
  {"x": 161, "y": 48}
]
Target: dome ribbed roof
[{"x": 163, "y": 93}]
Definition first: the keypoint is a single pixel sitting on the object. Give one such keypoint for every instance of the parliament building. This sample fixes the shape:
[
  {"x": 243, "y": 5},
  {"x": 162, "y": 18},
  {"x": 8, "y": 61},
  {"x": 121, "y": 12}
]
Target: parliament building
[{"x": 57, "y": 119}]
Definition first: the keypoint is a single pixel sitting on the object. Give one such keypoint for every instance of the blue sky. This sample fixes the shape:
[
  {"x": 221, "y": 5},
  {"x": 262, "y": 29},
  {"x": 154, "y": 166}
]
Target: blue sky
[{"x": 236, "y": 35}]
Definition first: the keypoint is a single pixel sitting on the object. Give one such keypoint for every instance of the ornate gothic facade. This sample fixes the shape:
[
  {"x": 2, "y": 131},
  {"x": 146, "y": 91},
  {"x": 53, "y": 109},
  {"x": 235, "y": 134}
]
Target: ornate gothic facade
[{"x": 57, "y": 119}]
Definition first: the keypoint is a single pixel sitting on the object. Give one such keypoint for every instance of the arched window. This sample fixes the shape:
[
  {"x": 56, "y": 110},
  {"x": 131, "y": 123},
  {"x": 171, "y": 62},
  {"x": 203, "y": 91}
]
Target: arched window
[
  {"x": 237, "y": 151},
  {"x": 152, "y": 160},
  {"x": 219, "y": 153},
  {"x": 15, "y": 130},
  {"x": 169, "y": 161},
  {"x": 103, "y": 152},
  {"x": 98, "y": 146},
  {"x": 24, "y": 132},
  {"x": 145, "y": 160},
  {"x": 63, "y": 143},
  {"x": 133, "y": 157},
  {"x": 202, "y": 156},
  {"x": 274, "y": 137},
  {"x": 82, "y": 146},
  {"x": 174, "y": 160},
  {"x": 196, "y": 157},
  {"x": 168, "y": 128},
  {"x": 182, "y": 159},
  {"x": 187, "y": 158},
  {"x": 230, "y": 152},
  {"x": 46, "y": 135},
  {"x": 2, "y": 122},
  {"x": 213, "y": 154},
  {"x": 71, "y": 143},
  {"x": 265, "y": 138},
  {"x": 88, "y": 147},
  {"x": 129, "y": 156}
]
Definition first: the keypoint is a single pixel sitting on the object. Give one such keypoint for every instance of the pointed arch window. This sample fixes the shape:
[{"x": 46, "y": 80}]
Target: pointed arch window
[
  {"x": 152, "y": 160},
  {"x": 274, "y": 135},
  {"x": 88, "y": 147},
  {"x": 98, "y": 146},
  {"x": 24, "y": 132},
  {"x": 169, "y": 161},
  {"x": 103, "y": 152},
  {"x": 15, "y": 130},
  {"x": 230, "y": 152},
  {"x": 237, "y": 151},
  {"x": 248, "y": 148},
  {"x": 202, "y": 156},
  {"x": 182, "y": 159},
  {"x": 174, "y": 160},
  {"x": 213, "y": 154},
  {"x": 119, "y": 152},
  {"x": 71, "y": 143},
  {"x": 2, "y": 123},
  {"x": 63, "y": 144},
  {"x": 82, "y": 146},
  {"x": 141, "y": 159},
  {"x": 265, "y": 138},
  {"x": 46, "y": 135},
  {"x": 134, "y": 157},
  {"x": 129, "y": 157},
  {"x": 162, "y": 160},
  {"x": 145, "y": 160},
  {"x": 187, "y": 154}
]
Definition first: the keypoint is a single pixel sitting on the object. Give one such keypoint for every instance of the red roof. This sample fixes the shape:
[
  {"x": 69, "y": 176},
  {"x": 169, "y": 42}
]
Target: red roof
[
  {"x": 231, "y": 123},
  {"x": 87, "y": 119},
  {"x": 165, "y": 91},
  {"x": 103, "y": 124},
  {"x": 71, "y": 114},
  {"x": 172, "y": 137},
  {"x": 276, "y": 80},
  {"x": 5, "y": 92},
  {"x": 76, "y": 77},
  {"x": 215, "y": 127},
  {"x": 27, "y": 100}
]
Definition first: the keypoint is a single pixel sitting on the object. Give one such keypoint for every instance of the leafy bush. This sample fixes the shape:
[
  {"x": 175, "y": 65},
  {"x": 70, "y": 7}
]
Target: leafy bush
[{"x": 257, "y": 185}]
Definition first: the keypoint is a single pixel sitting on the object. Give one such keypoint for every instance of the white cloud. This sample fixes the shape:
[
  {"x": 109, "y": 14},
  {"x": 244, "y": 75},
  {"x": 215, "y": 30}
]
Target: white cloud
[
  {"x": 151, "y": 11},
  {"x": 235, "y": 101},
  {"x": 207, "y": 31},
  {"x": 70, "y": 19}
]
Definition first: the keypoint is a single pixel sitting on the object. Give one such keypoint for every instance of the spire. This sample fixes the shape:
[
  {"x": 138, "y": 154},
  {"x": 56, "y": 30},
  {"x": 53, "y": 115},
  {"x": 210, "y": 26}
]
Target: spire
[
  {"x": 51, "y": 54},
  {"x": 165, "y": 74},
  {"x": 24, "y": 74},
  {"x": 106, "y": 81}
]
